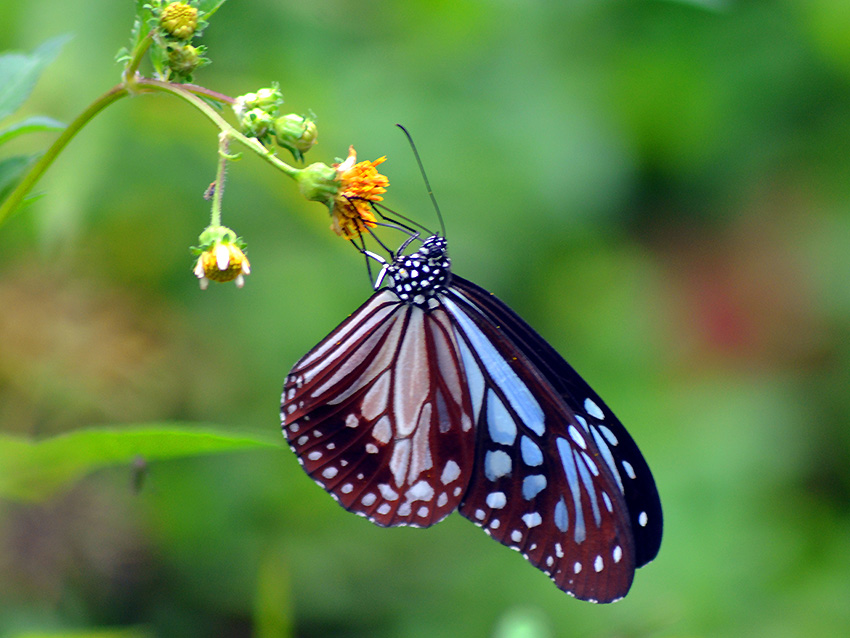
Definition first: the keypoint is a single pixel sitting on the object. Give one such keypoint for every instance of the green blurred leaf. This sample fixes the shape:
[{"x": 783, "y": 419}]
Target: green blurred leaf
[
  {"x": 34, "y": 124},
  {"x": 33, "y": 470},
  {"x": 208, "y": 7},
  {"x": 12, "y": 170},
  {"x": 123, "y": 632},
  {"x": 19, "y": 72}
]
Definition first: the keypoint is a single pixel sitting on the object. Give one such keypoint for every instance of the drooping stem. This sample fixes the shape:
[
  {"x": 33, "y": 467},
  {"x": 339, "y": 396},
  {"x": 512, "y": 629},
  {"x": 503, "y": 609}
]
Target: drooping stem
[
  {"x": 221, "y": 172},
  {"x": 189, "y": 95}
]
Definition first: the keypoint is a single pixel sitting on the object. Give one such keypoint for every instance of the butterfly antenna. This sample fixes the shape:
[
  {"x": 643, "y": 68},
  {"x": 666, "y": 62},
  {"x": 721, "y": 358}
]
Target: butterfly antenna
[
  {"x": 425, "y": 179},
  {"x": 392, "y": 217}
]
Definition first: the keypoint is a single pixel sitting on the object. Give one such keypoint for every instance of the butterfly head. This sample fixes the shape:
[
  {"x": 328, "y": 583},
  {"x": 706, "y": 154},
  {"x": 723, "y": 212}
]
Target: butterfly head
[{"x": 418, "y": 277}]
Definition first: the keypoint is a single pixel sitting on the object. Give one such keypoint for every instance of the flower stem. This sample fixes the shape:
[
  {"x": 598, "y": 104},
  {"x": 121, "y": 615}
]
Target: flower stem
[
  {"x": 218, "y": 193},
  {"x": 133, "y": 85},
  {"x": 189, "y": 95},
  {"x": 132, "y": 66}
]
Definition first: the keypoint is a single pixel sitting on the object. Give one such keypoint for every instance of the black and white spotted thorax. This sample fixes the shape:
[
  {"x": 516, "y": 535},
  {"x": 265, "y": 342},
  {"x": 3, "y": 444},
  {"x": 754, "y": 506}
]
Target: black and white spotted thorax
[{"x": 419, "y": 277}]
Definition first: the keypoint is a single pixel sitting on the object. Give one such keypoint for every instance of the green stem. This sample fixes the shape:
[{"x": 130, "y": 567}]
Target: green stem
[
  {"x": 133, "y": 86},
  {"x": 146, "y": 84},
  {"x": 38, "y": 169},
  {"x": 129, "y": 74},
  {"x": 218, "y": 193}
]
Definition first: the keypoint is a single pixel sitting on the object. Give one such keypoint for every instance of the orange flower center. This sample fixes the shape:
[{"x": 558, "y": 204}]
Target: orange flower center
[{"x": 359, "y": 185}]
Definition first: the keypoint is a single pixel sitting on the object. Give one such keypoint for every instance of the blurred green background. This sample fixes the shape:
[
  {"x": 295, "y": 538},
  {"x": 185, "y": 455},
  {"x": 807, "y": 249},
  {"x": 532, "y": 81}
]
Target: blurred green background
[{"x": 660, "y": 187}]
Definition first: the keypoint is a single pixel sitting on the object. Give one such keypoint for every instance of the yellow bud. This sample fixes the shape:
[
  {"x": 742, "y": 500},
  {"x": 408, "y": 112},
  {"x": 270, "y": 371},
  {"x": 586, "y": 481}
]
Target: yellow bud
[{"x": 179, "y": 20}]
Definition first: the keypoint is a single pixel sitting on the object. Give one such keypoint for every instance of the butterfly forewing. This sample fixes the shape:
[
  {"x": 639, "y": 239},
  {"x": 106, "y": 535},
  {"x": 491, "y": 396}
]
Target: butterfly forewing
[
  {"x": 539, "y": 484},
  {"x": 619, "y": 451},
  {"x": 377, "y": 414}
]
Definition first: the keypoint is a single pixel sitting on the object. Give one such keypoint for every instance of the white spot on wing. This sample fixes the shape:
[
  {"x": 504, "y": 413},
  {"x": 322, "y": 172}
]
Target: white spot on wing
[
  {"x": 598, "y": 564},
  {"x": 382, "y": 432},
  {"x": 496, "y": 464},
  {"x": 387, "y": 492},
  {"x": 450, "y": 472},
  {"x": 593, "y": 410},
  {"x": 530, "y": 452},
  {"x": 643, "y": 519},
  {"x": 578, "y": 438},
  {"x": 608, "y": 434},
  {"x": 531, "y": 520},
  {"x": 532, "y": 486},
  {"x": 500, "y": 424},
  {"x": 562, "y": 521},
  {"x": 421, "y": 491},
  {"x": 496, "y": 500}
]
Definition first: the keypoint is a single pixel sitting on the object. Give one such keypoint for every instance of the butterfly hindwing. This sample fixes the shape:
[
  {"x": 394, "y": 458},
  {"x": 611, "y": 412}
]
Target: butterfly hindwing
[{"x": 377, "y": 414}]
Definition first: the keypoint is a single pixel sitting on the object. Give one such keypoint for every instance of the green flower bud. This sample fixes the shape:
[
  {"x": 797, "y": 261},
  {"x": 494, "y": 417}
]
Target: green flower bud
[
  {"x": 257, "y": 123},
  {"x": 295, "y": 133},
  {"x": 266, "y": 99},
  {"x": 183, "y": 59}
]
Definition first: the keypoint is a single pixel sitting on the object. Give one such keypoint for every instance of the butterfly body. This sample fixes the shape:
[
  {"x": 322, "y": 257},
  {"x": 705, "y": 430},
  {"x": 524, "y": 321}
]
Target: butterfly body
[{"x": 435, "y": 396}]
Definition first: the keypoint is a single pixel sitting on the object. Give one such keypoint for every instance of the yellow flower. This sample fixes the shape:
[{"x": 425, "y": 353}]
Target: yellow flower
[
  {"x": 222, "y": 262},
  {"x": 179, "y": 20},
  {"x": 360, "y": 183}
]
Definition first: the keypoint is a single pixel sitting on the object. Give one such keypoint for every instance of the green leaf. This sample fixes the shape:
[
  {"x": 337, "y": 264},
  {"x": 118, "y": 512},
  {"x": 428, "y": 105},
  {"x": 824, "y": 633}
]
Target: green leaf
[
  {"x": 11, "y": 171},
  {"x": 207, "y": 8},
  {"x": 19, "y": 73},
  {"x": 34, "y": 470},
  {"x": 34, "y": 124},
  {"x": 118, "y": 632}
]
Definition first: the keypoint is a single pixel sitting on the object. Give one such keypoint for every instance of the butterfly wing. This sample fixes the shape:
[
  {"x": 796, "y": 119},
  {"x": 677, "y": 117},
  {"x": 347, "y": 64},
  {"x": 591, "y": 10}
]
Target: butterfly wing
[
  {"x": 544, "y": 482},
  {"x": 378, "y": 415},
  {"x": 619, "y": 451}
]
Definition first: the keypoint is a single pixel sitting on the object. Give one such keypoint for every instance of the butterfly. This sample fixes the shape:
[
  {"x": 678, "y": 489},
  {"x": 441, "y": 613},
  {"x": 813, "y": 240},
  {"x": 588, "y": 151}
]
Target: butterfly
[{"x": 434, "y": 396}]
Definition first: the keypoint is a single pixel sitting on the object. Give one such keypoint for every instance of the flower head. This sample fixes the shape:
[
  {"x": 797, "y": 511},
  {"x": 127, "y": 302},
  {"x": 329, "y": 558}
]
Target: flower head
[
  {"x": 221, "y": 257},
  {"x": 360, "y": 184},
  {"x": 179, "y": 20}
]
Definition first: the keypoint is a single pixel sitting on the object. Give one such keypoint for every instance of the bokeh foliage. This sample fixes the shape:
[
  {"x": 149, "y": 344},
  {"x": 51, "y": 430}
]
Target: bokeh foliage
[{"x": 659, "y": 187}]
